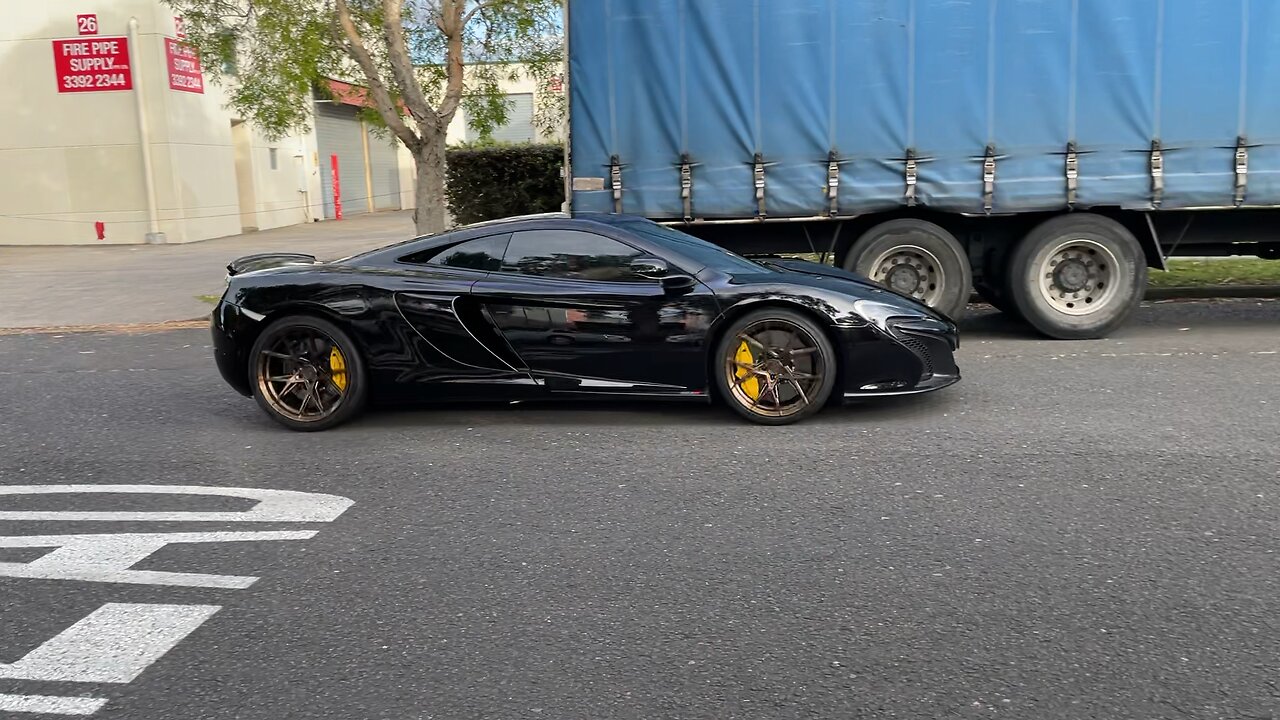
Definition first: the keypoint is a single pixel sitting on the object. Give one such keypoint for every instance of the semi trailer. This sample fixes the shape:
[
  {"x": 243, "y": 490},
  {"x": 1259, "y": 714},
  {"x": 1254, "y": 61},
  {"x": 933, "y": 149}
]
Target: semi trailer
[{"x": 1043, "y": 153}]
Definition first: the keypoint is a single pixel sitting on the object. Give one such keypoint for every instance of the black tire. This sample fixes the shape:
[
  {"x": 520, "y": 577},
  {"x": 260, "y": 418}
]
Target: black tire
[
  {"x": 346, "y": 388},
  {"x": 1269, "y": 252},
  {"x": 889, "y": 255},
  {"x": 1077, "y": 276},
  {"x": 792, "y": 400}
]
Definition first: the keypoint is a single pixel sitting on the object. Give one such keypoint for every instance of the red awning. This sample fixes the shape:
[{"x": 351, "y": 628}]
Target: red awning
[{"x": 357, "y": 95}]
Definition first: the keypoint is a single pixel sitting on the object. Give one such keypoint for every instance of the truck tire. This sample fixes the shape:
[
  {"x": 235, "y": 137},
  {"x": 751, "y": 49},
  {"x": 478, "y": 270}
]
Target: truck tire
[
  {"x": 917, "y": 259},
  {"x": 1077, "y": 276}
]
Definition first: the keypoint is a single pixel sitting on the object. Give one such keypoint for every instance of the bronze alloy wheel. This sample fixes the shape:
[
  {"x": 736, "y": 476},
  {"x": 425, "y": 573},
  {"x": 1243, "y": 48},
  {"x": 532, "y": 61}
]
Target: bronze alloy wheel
[
  {"x": 306, "y": 374},
  {"x": 777, "y": 367}
]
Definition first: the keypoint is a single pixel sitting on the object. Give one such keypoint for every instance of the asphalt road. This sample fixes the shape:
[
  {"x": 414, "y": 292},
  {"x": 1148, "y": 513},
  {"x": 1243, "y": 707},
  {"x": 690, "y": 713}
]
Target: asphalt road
[{"x": 1078, "y": 530}]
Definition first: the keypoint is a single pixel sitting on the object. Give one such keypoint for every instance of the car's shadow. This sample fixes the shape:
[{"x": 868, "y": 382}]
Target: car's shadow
[
  {"x": 986, "y": 323},
  {"x": 983, "y": 322},
  {"x": 637, "y": 413}
]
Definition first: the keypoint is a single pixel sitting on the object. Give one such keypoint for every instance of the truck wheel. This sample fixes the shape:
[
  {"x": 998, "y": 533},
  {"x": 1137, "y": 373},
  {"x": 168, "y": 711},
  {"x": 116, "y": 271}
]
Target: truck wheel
[
  {"x": 1077, "y": 276},
  {"x": 917, "y": 259},
  {"x": 1269, "y": 252}
]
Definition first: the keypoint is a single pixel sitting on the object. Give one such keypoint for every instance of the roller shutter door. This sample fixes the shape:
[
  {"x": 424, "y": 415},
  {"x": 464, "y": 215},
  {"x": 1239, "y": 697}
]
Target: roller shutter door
[
  {"x": 384, "y": 168},
  {"x": 338, "y": 132},
  {"x": 519, "y": 125}
]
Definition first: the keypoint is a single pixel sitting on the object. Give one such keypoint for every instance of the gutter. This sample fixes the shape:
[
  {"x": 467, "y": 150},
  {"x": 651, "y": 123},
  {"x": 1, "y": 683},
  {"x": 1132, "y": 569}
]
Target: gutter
[{"x": 154, "y": 236}]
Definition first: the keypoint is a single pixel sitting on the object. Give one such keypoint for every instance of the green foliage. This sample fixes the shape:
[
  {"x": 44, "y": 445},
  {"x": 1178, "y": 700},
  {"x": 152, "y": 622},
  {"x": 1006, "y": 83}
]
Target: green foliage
[
  {"x": 488, "y": 181},
  {"x": 270, "y": 54}
]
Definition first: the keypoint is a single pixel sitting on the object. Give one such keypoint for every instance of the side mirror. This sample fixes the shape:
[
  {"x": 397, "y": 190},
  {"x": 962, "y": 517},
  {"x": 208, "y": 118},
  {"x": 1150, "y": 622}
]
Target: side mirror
[
  {"x": 678, "y": 284},
  {"x": 650, "y": 267}
]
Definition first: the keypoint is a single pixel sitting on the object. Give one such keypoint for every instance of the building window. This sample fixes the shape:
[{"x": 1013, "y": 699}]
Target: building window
[
  {"x": 230, "y": 59},
  {"x": 275, "y": 161}
]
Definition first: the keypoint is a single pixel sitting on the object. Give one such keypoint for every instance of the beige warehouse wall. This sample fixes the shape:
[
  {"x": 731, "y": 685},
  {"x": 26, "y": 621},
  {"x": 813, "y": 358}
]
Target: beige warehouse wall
[
  {"x": 69, "y": 159},
  {"x": 289, "y": 193},
  {"x": 73, "y": 159}
]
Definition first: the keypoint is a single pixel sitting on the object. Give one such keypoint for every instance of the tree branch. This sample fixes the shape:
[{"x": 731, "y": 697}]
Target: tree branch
[
  {"x": 472, "y": 13},
  {"x": 355, "y": 47},
  {"x": 451, "y": 25},
  {"x": 402, "y": 68}
]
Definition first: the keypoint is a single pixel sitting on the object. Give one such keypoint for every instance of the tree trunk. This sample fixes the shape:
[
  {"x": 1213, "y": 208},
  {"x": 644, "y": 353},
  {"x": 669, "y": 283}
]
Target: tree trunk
[{"x": 429, "y": 199}]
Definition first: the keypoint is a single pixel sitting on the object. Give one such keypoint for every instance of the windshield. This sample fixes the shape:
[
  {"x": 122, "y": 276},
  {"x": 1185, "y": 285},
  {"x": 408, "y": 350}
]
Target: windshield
[{"x": 709, "y": 255}]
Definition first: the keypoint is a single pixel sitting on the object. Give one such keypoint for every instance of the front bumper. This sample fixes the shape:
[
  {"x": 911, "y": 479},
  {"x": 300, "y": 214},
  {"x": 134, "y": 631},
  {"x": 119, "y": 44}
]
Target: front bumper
[
  {"x": 230, "y": 330},
  {"x": 933, "y": 382},
  {"x": 905, "y": 356}
]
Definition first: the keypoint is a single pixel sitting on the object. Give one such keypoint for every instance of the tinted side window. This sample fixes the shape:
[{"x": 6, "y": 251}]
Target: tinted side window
[
  {"x": 480, "y": 254},
  {"x": 570, "y": 254}
]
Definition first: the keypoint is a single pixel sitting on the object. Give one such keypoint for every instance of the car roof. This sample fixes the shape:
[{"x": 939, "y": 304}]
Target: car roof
[
  {"x": 388, "y": 254},
  {"x": 600, "y": 223}
]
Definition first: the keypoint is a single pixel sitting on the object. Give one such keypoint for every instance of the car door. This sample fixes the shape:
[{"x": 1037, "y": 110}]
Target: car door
[
  {"x": 573, "y": 307},
  {"x": 436, "y": 301}
]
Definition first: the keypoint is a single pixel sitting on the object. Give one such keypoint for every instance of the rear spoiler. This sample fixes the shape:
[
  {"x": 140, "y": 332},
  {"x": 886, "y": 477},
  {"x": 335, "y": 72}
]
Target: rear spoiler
[{"x": 262, "y": 261}]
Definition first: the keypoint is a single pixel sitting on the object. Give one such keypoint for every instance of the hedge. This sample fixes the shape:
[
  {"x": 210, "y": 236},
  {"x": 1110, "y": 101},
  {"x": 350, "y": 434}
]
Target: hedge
[{"x": 498, "y": 181}]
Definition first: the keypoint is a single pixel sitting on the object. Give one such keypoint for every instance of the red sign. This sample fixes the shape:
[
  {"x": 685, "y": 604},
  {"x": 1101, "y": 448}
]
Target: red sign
[
  {"x": 184, "y": 67},
  {"x": 556, "y": 83},
  {"x": 337, "y": 188},
  {"x": 92, "y": 65},
  {"x": 87, "y": 24},
  {"x": 179, "y": 27}
]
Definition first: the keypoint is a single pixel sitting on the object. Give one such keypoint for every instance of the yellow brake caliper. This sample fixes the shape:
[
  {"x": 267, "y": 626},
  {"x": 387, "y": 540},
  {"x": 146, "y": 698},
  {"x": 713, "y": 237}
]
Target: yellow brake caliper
[
  {"x": 750, "y": 386},
  {"x": 338, "y": 365}
]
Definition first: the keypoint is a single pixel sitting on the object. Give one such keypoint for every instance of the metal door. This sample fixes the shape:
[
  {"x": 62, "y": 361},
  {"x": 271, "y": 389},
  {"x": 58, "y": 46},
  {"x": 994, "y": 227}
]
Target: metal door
[{"x": 338, "y": 132}]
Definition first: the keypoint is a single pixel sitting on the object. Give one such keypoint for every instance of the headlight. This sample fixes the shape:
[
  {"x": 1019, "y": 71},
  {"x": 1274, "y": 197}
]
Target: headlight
[{"x": 879, "y": 313}]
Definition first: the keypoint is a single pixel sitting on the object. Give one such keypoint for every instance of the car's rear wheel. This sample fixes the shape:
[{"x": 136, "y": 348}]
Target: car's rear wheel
[
  {"x": 775, "y": 366},
  {"x": 307, "y": 374}
]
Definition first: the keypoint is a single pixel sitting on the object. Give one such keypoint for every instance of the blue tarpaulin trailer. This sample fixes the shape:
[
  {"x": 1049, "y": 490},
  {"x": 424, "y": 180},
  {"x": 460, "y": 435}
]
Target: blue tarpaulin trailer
[{"x": 965, "y": 125}]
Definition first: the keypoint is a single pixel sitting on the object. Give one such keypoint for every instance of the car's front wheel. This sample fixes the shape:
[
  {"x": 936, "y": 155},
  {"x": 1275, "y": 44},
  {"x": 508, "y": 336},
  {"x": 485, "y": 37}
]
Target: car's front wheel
[
  {"x": 307, "y": 374},
  {"x": 775, "y": 366}
]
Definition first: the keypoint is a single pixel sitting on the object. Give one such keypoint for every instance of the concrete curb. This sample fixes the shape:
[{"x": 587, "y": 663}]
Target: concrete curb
[
  {"x": 120, "y": 328},
  {"x": 1210, "y": 292},
  {"x": 1207, "y": 292}
]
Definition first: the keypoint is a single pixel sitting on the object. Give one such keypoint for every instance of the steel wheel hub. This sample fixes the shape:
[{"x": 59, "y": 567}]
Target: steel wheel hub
[
  {"x": 1071, "y": 275},
  {"x": 904, "y": 278},
  {"x": 910, "y": 270},
  {"x": 1077, "y": 277}
]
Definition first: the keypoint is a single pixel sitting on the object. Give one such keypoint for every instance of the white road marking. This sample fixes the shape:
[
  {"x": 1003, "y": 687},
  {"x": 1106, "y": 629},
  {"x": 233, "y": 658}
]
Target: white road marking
[
  {"x": 108, "y": 557},
  {"x": 118, "y": 641},
  {"x": 273, "y": 505},
  {"x": 113, "y": 644},
  {"x": 50, "y": 704}
]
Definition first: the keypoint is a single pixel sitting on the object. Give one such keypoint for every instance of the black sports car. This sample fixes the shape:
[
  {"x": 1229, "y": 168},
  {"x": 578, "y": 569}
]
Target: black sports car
[{"x": 554, "y": 305}]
